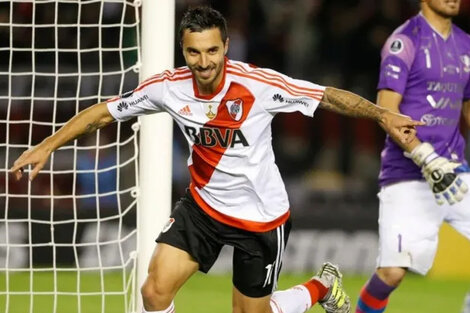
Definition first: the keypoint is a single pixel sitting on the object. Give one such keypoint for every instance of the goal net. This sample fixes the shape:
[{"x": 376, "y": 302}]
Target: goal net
[{"x": 68, "y": 238}]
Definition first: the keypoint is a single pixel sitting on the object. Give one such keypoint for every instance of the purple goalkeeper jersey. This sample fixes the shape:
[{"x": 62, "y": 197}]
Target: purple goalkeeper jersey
[{"x": 432, "y": 74}]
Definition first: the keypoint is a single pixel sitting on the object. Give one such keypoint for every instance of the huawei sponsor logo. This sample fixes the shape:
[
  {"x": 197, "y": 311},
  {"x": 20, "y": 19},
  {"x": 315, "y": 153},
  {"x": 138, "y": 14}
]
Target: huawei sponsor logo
[
  {"x": 124, "y": 105},
  {"x": 278, "y": 98}
]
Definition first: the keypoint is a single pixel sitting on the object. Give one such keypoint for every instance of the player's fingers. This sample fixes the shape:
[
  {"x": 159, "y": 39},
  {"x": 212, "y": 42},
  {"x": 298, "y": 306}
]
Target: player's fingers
[
  {"x": 402, "y": 135},
  {"x": 416, "y": 123},
  {"x": 18, "y": 174},
  {"x": 409, "y": 133},
  {"x": 36, "y": 170},
  {"x": 19, "y": 163},
  {"x": 18, "y": 168}
]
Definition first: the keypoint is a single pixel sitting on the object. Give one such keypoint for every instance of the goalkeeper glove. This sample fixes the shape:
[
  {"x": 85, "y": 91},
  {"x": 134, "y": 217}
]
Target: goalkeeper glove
[{"x": 440, "y": 173}]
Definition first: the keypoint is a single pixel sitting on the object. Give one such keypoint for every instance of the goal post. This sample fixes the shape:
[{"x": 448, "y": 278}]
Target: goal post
[
  {"x": 79, "y": 237},
  {"x": 156, "y": 134}
]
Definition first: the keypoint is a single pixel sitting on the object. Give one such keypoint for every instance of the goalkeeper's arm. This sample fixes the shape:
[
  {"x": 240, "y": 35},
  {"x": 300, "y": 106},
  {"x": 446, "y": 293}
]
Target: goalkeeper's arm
[
  {"x": 87, "y": 121},
  {"x": 391, "y": 100},
  {"x": 439, "y": 172},
  {"x": 466, "y": 112}
]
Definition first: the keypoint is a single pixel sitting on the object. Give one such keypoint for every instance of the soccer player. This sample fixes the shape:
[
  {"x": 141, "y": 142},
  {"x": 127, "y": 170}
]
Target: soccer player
[
  {"x": 425, "y": 72},
  {"x": 236, "y": 196}
]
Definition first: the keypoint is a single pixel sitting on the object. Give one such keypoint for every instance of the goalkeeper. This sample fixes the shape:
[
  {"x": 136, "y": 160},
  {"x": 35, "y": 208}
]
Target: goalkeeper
[{"x": 425, "y": 74}]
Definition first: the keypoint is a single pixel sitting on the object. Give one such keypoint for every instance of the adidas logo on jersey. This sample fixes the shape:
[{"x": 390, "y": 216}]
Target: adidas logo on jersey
[{"x": 185, "y": 111}]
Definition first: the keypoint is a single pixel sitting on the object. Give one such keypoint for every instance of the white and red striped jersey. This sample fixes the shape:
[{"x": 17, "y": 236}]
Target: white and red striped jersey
[{"x": 234, "y": 177}]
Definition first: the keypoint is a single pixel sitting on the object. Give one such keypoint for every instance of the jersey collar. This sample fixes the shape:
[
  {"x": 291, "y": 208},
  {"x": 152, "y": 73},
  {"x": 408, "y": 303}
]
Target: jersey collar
[{"x": 435, "y": 30}]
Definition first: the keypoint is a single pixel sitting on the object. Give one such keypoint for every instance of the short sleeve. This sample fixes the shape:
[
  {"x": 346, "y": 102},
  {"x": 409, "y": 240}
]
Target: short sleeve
[
  {"x": 287, "y": 94},
  {"x": 466, "y": 61},
  {"x": 398, "y": 55},
  {"x": 145, "y": 99}
]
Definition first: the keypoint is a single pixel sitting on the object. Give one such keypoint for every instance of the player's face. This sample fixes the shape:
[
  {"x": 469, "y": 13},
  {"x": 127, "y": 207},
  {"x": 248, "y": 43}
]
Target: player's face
[
  {"x": 445, "y": 8},
  {"x": 204, "y": 54}
]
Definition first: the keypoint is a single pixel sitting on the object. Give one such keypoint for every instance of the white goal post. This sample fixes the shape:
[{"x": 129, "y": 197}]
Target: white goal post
[
  {"x": 156, "y": 139},
  {"x": 79, "y": 237}
]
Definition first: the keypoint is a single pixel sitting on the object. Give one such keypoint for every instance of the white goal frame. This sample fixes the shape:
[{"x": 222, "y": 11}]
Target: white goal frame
[
  {"x": 152, "y": 190},
  {"x": 156, "y": 135}
]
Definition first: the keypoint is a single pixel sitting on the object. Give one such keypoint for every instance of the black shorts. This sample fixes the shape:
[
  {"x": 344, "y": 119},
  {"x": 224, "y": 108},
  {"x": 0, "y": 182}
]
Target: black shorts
[{"x": 257, "y": 257}]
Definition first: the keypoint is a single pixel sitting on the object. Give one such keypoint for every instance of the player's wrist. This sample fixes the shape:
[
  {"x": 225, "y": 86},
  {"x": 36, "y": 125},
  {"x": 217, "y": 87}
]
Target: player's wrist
[
  {"x": 383, "y": 116},
  {"x": 422, "y": 154}
]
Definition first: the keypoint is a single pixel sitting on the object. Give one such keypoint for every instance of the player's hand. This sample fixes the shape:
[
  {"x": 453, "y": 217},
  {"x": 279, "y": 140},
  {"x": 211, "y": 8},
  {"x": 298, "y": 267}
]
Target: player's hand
[
  {"x": 36, "y": 156},
  {"x": 400, "y": 127},
  {"x": 441, "y": 174}
]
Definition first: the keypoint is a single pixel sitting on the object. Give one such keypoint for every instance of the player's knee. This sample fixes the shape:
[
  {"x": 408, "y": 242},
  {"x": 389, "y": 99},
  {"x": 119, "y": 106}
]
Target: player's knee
[
  {"x": 155, "y": 294},
  {"x": 392, "y": 276}
]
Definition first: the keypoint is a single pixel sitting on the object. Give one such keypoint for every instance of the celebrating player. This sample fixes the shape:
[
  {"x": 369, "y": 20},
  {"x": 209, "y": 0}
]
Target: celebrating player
[
  {"x": 425, "y": 74},
  {"x": 236, "y": 196}
]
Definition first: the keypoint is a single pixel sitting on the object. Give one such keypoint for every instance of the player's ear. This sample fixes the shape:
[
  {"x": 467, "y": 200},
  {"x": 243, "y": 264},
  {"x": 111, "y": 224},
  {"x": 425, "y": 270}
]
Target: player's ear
[{"x": 226, "y": 45}]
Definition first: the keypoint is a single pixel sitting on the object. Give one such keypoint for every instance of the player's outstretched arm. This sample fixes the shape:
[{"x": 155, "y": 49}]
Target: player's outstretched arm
[
  {"x": 87, "y": 121},
  {"x": 400, "y": 127}
]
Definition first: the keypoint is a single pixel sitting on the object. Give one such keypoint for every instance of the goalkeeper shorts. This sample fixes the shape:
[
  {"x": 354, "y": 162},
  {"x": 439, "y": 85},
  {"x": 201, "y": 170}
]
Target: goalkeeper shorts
[
  {"x": 257, "y": 257},
  {"x": 409, "y": 223}
]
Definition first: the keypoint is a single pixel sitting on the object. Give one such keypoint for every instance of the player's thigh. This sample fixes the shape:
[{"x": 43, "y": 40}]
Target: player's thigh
[
  {"x": 192, "y": 230},
  {"x": 409, "y": 221},
  {"x": 245, "y": 304},
  {"x": 458, "y": 215},
  {"x": 169, "y": 269}
]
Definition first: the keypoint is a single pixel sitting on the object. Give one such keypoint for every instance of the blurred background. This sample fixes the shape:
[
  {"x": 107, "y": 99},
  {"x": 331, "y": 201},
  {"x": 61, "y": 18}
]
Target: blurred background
[{"x": 330, "y": 163}]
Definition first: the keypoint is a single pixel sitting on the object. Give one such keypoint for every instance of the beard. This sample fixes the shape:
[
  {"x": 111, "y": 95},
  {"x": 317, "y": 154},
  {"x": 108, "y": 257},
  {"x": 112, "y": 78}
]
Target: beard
[
  {"x": 445, "y": 12},
  {"x": 215, "y": 71}
]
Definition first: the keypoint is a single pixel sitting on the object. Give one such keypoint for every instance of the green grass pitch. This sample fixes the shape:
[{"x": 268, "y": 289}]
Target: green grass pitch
[
  {"x": 206, "y": 293},
  {"x": 212, "y": 294}
]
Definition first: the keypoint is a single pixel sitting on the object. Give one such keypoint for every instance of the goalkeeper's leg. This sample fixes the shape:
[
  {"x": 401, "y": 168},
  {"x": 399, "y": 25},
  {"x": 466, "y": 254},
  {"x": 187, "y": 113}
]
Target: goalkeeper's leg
[
  {"x": 409, "y": 222},
  {"x": 466, "y": 304},
  {"x": 374, "y": 294},
  {"x": 459, "y": 218}
]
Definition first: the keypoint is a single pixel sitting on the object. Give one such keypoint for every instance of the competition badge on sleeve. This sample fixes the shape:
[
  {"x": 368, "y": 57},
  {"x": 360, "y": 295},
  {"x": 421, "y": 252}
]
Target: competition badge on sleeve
[{"x": 396, "y": 46}]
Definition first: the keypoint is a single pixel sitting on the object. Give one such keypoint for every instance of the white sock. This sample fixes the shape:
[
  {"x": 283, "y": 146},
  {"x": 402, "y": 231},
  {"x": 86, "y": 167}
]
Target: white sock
[
  {"x": 294, "y": 300},
  {"x": 170, "y": 309}
]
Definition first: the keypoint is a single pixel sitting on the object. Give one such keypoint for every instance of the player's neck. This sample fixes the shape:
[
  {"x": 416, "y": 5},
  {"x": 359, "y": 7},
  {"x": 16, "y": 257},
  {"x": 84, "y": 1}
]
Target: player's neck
[{"x": 441, "y": 24}]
